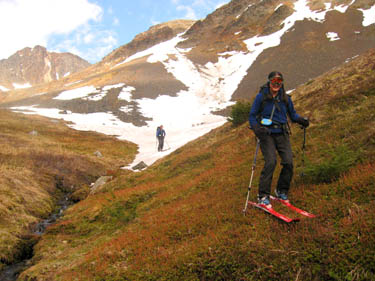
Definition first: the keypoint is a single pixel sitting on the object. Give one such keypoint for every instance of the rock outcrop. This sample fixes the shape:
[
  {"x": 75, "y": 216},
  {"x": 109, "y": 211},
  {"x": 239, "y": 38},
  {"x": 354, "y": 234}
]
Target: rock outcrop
[{"x": 32, "y": 66}]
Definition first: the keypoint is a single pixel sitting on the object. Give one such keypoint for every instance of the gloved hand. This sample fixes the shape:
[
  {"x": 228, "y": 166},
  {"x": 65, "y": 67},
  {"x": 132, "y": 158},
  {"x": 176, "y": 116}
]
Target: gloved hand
[
  {"x": 303, "y": 121},
  {"x": 260, "y": 131}
]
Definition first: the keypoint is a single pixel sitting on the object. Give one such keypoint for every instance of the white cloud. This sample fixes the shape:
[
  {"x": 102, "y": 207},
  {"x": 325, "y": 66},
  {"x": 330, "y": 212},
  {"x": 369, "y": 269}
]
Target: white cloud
[
  {"x": 28, "y": 23},
  {"x": 155, "y": 22},
  {"x": 198, "y": 8},
  {"x": 190, "y": 13},
  {"x": 88, "y": 38},
  {"x": 116, "y": 21},
  {"x": 88, "y": 43},
  {"x": 220, "y": 5}
]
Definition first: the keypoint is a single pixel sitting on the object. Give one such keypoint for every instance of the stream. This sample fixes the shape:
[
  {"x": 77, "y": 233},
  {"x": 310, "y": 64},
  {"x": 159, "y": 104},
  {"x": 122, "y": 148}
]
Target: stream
[{"x": 12, "y": 271}]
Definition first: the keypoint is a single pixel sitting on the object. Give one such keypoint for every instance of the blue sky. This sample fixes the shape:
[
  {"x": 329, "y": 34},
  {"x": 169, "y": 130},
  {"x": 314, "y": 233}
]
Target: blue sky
[{"x": 90, "y": 29}]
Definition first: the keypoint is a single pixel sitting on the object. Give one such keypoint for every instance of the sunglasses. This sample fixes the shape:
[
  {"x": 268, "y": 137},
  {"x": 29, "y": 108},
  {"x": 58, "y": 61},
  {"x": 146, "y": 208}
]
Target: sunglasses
[{"x": 277, "y": 81}]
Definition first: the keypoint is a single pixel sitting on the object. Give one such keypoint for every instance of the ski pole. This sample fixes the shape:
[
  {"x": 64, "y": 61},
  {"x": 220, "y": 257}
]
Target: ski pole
[
  {"x": 303, "y": 151},
  {"x": 252, "y": 174}
]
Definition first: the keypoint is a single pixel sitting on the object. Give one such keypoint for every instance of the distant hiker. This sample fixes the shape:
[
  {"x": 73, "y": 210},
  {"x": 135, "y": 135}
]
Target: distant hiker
[
  {"x": 268, "y": 120},
  {"x": 160, "y": 134}
]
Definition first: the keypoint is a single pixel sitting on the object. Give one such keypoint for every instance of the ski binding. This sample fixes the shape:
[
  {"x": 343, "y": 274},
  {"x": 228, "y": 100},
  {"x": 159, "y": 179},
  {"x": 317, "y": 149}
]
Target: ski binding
[{"x": 273, "y": 212}]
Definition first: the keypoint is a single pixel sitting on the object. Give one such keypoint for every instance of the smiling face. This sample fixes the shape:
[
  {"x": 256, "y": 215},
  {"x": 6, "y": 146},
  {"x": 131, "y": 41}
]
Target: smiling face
[{"x": 275, "y": 84}]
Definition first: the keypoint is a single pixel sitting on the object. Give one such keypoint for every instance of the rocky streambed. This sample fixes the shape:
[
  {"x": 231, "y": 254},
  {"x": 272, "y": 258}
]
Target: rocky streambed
[{"x": 12, "y": 271}]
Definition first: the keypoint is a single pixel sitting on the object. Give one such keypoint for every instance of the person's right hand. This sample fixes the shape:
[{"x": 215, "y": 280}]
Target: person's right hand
[{"x": 260, "y": 131}]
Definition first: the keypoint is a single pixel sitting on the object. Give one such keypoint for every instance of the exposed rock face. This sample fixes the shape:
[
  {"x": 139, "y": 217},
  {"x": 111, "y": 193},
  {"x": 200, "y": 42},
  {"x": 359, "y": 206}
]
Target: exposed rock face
[
  {"x": 304, "y": 51},
  {"x": 32, "y": 66}
]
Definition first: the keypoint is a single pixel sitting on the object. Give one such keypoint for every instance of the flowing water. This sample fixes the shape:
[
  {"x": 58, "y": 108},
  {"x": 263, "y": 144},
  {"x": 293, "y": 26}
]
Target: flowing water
[{"x": 11, "y": 272}]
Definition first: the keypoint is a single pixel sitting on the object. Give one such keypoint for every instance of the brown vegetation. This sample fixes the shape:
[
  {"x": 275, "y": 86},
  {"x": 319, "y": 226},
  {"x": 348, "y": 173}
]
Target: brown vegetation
[
  {"x": 181, "y": 219},
  {"x": 40, "y": 159}
]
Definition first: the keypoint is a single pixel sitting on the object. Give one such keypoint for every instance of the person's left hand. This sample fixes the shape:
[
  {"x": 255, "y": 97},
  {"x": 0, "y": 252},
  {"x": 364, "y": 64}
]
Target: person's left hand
[{"x": 303, "y": 121}]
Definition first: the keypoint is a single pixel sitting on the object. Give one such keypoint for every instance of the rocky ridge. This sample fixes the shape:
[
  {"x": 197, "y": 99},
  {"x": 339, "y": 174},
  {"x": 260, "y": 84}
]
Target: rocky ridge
[{"x": 32, "y": 66}]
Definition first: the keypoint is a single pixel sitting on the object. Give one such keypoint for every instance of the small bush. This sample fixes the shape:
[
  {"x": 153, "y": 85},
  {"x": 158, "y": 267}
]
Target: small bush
[
  {"x": 337, "y": 161},
  {"x": 240, "y": 113}
]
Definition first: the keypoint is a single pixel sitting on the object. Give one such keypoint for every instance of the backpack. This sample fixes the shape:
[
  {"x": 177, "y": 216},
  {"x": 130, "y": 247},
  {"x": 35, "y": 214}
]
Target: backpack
[{"x": 158, "y": 131}]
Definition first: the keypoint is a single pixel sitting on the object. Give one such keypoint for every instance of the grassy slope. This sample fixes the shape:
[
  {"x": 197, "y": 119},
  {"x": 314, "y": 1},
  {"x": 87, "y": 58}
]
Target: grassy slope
[
  {"x": 181, "y": 219},
  {"x": 33, "y": 166}
]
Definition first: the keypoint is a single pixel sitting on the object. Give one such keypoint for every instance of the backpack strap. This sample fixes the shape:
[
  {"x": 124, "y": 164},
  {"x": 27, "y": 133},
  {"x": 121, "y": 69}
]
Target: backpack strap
[{"x": 267, "y": 96}]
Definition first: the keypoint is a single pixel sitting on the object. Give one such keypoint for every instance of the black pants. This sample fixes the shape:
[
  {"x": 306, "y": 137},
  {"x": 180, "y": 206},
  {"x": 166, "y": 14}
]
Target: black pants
[
  {"x": 269, "y": 145},
  {"x": 161, "y": 143}
]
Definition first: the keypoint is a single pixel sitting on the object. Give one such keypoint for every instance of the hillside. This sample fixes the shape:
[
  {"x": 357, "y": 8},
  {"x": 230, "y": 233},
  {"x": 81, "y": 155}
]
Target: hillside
[
  {"x": 41, "y": 160},
  {"x": 181, "y": 219}
]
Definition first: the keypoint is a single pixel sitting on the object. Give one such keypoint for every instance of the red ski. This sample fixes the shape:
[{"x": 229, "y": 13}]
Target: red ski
[
  {"x": 292, "y": 207},
  {"x": 273, "y": 212}
]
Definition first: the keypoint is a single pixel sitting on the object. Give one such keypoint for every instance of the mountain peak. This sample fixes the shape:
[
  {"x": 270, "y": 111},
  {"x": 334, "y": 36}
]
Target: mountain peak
[{"x": 32, "y": 66}]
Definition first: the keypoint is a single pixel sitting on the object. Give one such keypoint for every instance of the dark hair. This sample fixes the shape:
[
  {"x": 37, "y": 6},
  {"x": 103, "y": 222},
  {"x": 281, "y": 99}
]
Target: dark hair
[{"x": 275, "y": 73}]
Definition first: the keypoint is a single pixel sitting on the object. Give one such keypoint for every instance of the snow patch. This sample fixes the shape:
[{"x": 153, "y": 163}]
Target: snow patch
[
  {"x": 87, "y": 92},
  {"x": 4, "y": 89},
  {"x": 107, "y": 123},
  {"x": 21, "y": 86},
  {"x": 73, "y": 83},
  {"x": 76, "y": 93},
  {"x": 332, "y": 36},
  {"x": 126, "y": 94},
  {"x": 368, "y": 16},
  {"x": 278, "y": 6}
]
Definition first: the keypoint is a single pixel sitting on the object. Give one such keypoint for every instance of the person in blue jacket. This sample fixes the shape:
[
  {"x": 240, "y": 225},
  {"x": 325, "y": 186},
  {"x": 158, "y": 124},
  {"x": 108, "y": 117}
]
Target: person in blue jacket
[
  {"x": 268, "y": 120},
  {"x": 160, "y": 134}
]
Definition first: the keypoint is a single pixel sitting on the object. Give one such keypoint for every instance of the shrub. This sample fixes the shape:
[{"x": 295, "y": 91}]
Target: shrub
[
  {"x": 337, "y": 161},
  {"x": 240, "y": 113}
]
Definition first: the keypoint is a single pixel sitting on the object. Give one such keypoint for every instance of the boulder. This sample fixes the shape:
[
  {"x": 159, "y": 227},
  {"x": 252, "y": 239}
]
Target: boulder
[
  {"x": 98, "y": 185},
  {"x": 98, "y": 154},
  {"x": 140, "y": 166}
]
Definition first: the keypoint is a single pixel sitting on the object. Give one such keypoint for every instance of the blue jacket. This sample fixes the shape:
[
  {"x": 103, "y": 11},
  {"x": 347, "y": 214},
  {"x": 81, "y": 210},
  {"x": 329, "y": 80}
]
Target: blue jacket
[
  {"x": 160, "y": 132},
  {"x": 281, "y": 109}
]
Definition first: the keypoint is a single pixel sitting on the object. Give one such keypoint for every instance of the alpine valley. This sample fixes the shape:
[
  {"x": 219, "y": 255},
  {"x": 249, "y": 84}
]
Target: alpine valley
[
  {"x": 179, "y": 217},
  {"x": 184, "y": 74}
]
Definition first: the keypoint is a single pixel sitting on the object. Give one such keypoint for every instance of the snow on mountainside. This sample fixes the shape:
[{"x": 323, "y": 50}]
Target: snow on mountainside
[{"x": 180, "y": 81}]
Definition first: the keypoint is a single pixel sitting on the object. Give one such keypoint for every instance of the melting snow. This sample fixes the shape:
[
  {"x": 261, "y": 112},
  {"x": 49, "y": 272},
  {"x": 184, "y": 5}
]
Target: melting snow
[
  {"x": 21, "y": 86},
  {"x": 86, "y": 93},
  {"x": 126, "y": 93},
  {"x": 2, "y": 88},
  {"x": 145, "y": 137},
  {"x": 76, "y": 93},
  {"x": 332, "y": 36},
  {"x": 368, "y": 16}
]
